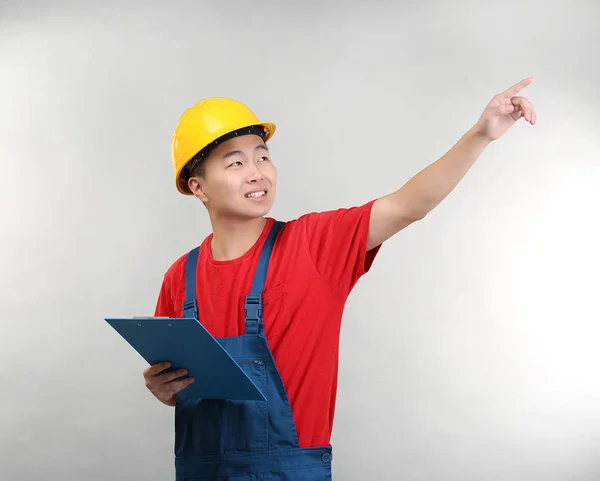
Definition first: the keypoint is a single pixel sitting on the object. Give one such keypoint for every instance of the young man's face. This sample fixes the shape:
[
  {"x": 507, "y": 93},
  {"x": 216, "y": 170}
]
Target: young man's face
[{"x": 240, "y": 179}]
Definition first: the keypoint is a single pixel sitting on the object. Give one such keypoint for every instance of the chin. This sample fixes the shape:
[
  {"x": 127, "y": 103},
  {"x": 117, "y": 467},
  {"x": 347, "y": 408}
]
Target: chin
[
  {"x": 260, "y": 210},
  {"x": 255, "y": 212}
]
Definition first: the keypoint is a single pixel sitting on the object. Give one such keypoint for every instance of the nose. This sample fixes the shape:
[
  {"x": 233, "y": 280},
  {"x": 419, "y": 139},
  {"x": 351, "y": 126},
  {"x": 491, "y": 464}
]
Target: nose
[{"x": 254, "y": 174}]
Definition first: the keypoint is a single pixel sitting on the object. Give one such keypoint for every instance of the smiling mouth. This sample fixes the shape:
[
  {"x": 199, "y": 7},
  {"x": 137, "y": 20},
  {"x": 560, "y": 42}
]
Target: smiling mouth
[{"x": 254, "y": 195}]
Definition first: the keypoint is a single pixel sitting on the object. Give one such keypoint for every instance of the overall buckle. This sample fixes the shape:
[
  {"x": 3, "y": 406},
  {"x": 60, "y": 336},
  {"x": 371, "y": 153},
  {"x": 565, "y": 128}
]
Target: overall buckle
[
  {"x": 253, "y": 312},
  {"x": 192, "y": 306}
]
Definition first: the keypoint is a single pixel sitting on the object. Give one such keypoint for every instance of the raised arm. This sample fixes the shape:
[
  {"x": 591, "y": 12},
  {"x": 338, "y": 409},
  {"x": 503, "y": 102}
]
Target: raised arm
[{"x": 423, "y": 192}]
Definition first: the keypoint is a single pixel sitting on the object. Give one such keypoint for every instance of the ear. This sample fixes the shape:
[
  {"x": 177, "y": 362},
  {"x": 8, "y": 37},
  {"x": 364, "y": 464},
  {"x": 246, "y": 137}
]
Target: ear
[{"x": 196, "y": 186}]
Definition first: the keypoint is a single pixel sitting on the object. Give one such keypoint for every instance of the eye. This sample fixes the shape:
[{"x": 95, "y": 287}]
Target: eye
[
  {"x": 263, "y": 157},
  {"x": 233, "y": 164}
]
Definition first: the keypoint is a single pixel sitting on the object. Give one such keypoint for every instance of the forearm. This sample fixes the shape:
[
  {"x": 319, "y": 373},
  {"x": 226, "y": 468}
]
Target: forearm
[{"x": 428, "y": 188}]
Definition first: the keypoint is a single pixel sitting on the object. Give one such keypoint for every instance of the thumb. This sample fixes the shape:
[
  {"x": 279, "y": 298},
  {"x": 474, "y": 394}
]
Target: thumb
[{"x": 506, "y": 109}]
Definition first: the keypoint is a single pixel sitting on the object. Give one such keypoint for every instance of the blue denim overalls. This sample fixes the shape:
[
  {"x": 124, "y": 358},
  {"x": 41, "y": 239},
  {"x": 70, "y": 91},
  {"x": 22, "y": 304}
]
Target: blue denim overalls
[{"x": 227, "y": 440}]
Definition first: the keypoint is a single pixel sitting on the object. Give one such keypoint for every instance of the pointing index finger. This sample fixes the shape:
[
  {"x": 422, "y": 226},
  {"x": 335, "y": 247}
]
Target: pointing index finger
[{"x": 516, "y": 88}]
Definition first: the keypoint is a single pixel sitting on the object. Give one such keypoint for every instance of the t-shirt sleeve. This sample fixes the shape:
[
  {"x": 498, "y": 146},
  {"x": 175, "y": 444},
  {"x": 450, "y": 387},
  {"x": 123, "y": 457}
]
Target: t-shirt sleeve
[
  {"x": 337, "y": 241},
  {"x": 164, "y": 304}
]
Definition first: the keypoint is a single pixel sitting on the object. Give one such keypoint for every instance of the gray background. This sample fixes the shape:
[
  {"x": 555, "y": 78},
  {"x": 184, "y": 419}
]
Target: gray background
[{"x": 470, "y": 352}]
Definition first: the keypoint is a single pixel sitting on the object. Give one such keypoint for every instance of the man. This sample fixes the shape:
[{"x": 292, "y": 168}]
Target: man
[{"x": 273, "y": 293}]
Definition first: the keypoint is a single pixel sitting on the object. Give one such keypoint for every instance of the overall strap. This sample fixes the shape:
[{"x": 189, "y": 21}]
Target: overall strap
[
  {"x": 253, "y": 305},
  {"x": 190, "y": 305}
]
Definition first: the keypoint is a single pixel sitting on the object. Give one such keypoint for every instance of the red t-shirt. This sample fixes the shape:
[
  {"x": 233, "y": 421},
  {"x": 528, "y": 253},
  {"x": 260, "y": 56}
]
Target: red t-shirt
[{"x": 317, "y": 260}]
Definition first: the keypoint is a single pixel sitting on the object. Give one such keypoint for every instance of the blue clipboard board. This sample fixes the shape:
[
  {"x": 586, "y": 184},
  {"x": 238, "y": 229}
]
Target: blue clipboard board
[{"x": 186, "y": 343}]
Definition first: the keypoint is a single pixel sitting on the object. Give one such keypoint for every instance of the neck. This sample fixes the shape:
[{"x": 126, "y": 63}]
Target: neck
[{"x": 233, "y": 238}]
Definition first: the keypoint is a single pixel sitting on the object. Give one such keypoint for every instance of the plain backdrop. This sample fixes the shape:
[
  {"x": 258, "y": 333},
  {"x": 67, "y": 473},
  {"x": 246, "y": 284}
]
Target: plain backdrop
[{"x": 468, "y": 353}]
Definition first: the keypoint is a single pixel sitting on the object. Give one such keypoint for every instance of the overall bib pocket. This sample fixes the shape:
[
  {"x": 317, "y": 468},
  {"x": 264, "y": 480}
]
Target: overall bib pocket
[{"x": 218, "y": 426}]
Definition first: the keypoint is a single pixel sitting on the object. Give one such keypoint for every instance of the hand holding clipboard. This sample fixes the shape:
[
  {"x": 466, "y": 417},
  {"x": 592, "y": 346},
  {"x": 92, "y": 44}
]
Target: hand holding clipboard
[{"x": 166, "y": 385}]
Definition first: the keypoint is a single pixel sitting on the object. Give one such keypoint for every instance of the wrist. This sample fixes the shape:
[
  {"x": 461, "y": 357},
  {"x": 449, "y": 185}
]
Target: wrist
[{"x": 478, "y": 138}]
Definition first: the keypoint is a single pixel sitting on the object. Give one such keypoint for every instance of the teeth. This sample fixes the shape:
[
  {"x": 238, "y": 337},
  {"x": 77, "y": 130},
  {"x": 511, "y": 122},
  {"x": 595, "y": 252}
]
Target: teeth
[{"x": 257, "y": 194}]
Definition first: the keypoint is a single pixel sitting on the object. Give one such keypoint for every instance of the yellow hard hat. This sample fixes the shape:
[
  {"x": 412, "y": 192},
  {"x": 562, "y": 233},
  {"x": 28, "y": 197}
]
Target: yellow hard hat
[{"x": 203, "y": 124}]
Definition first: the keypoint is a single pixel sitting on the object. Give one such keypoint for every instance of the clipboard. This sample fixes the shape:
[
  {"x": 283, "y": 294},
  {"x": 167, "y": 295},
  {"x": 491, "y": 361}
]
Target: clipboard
[{"x": 186, "y": 343}]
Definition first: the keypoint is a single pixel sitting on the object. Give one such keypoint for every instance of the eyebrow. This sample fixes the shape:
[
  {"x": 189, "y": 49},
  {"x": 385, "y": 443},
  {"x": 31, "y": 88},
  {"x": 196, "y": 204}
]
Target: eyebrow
[{"x": 239, "y": 152}]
